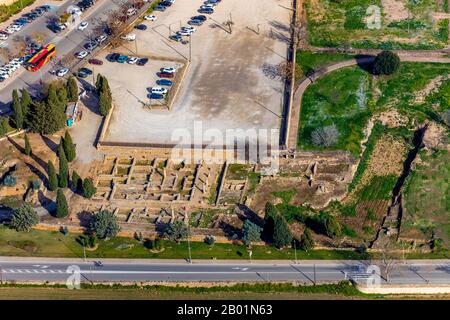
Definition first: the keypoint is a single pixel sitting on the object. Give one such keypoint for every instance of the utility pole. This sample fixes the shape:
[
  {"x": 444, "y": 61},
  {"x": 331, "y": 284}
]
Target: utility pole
[
  {"x": 84, "y": 251},
  {"x": 189, "y": 242},
  {"x": 1, "y": 275},
  {"x": 295, "y": 251},
  {"x": 314, "y": 274}
]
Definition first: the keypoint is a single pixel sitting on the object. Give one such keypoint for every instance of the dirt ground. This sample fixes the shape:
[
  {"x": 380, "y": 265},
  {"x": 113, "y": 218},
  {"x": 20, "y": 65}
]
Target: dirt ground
[{"x": 230, "y": 82}]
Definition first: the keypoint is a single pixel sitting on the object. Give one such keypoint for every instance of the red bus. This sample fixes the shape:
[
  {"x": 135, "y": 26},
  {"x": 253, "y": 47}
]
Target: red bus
[{"x": 41, "y": 57}]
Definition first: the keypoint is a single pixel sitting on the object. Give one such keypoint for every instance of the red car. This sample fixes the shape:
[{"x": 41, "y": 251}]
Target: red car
[
  {"x": 166, "y": 75},
  {"x": 96, "y": 61}
]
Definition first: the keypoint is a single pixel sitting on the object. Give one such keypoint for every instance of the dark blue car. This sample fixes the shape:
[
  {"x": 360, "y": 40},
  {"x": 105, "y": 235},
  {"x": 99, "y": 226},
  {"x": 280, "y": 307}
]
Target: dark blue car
[
  {"x": 156, "y": 96},
  {"x": 164, "y": 82},
  {"x": 141, "y": 27}
]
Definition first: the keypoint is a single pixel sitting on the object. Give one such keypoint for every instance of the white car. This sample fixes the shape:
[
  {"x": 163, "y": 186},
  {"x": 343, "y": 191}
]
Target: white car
[
  {"x": 133, "y": 60},
  {"x": 101, "y": 39},
  {"x": 3, "y": 36},
  {"x": 4, "y": 74},
  {"x": 184, "y": 32},
  {"x": 82, "y": 54},
  {"x": 16, "y": 27},
  {"x": 129, "y": 37},
  {"x": 159, "y": 90},
  {"x": 83, "y": 25},
  {"x": 189, "y": 28},
  {"x": 169, "y": 70},
  {"x": 209, "y": 5},
  {"x": 62, "y": 72},
  {"x": 150, "y": 17},
  {"x": 10, "y": 30}
]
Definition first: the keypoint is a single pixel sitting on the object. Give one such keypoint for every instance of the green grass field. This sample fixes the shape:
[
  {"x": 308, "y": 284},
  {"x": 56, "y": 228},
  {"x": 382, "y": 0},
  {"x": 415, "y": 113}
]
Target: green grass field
[
  {"x": 428, "y": 196},
  {"x": 345, "y": 24},
  {"x": 348, "y": 97},
  {"x": 309, "y": 61}
]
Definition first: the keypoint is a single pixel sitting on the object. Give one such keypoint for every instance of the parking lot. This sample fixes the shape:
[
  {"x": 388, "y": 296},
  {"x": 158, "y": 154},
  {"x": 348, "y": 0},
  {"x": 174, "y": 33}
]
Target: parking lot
[{"x": 230, "y": 82}]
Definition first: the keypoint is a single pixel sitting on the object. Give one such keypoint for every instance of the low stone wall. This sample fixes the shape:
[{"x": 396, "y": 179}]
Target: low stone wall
[{"x": 405, "y": 289}]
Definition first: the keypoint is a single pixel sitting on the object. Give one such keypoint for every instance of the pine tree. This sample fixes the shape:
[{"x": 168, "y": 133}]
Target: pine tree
[
  {"x": 62, "y": 209},
  {"x": 99, "y": 83},
  {"x": 77, "y": 182},
  {"x": 52, "y": 95},
  {"x": 26, "y": 103},
  {"x": 46, "y": 118},
  {"x": 63, "y": 178},
  {"x": 282, "y": 236},
  {"x": 62, "y": 98},
  {"x": 251, "y": 232},
  {"x": 269, "y": 221},
  {"x": 24, "y": 218},
  {"x": 52, "y": 178},
  {"x": 28, "y": 150},
  {"x": 72, "y": 89},
  {"x": 69, "y": 148},
  {"x": 88, "y": 188},
  {"x": 17, "y": 109}
]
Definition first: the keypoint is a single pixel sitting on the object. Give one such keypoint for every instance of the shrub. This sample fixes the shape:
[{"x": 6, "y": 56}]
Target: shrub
[
  {"x": 104, "y": 225},
  {"x": 210, "y": 240},
  {"x": 325, "y": 136},
  {"x": 386, "y": 63},
  {"x": 77, "y": 182},
  {"x": 24, "y": 218},
  {"x": 176, "y": 231},
  {"x": 306, "y": 240},
  {"x": 10, "y": 181}
]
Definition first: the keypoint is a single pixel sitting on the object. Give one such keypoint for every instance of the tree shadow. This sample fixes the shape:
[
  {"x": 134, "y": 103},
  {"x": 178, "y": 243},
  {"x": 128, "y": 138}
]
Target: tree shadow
[
  {"x": 32, "y": 156},
  {"x": 248, "y": 214},
  {"x": 231, "y": 232},
  {"x": 279, "y": 26},
  {"x": 50, "y": 143},
  {"x": 47, "y": 203},
  {"x": 365, "y": 62},
  {"x": 37, "y": 172},
  {"x": 84, "y": 217}
]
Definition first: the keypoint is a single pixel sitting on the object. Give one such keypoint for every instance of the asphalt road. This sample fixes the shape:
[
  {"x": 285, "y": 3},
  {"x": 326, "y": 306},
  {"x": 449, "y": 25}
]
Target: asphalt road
[
  {"x": 47, "y": 269},
  {"x": 67, "y": 42}
]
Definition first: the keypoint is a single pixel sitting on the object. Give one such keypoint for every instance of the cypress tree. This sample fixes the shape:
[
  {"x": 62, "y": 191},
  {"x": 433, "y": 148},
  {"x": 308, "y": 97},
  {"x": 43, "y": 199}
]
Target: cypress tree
[
  {"x": 46, "y": 118},
  {"x": 104, "y": 103},
  {"x": 17, "y": 109},
  {"x": 3, "y": 126},
  {"x": 62, "y": 209},
  {"x": 69, "y": 148},
  {"x": 52, "y": 95},
  {"x": 52, "y": 178},
  {"x": 62, "y": 98},
  {"x": 99, "y": 83},
  {"x": 282, "y": 236},
  {"x": 63, "y": 178},
  {"x": 306, "y": 240},
  {"x": 77, "y": 182},
  {"x": 72, "y": 89},
  {"x": 26, "y": 103},
  {"x": 28, "y": 150},
  {"x": 88, "y": 188}
]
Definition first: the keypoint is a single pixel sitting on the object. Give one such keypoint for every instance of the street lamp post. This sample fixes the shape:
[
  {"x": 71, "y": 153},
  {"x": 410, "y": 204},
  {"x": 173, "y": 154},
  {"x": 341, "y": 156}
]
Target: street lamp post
[{"x": 295, "y": 251}]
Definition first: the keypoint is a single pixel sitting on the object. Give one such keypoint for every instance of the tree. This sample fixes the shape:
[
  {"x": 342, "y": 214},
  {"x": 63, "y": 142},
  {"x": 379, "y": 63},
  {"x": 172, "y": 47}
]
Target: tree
[
  {"x": 104, "y": 225},
  {"x": 325, "y": 136},
  {"x": 386, "y": 63},
  {"x": 88, "y": 188},
  {"x": 269, "y": 222},
  {"x": 332, "y": 227},
  {"x": 105, "y": 103},
  {"x": 77, "y": 182},
  {"x": 69, "y": 148},
  {"x": 72, "y": 89},
  {"x": 62, "y": 209},
  {"x": 251, "y": 232},
  {"x": 52, "y": 178},
  {"x": 26, "y": 102},
  {"x": 176, "y": 231},
  {"x": 17, "y": 109},
  {"x": 46, "y": 118},
  {"x": 24, "y": 218},
  {"x": 28, "y": 150},
  {"x": 282, "y": 236},
  {"x": 62, "y": 98},
  {"x": 306, "y": 240},
  {"x": 63, "y": 177},
  {"x": 3, "y": 126},
  {"x": 446, "y": 117}
]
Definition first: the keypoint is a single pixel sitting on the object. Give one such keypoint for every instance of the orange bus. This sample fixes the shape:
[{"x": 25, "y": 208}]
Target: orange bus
[{"x": 41, "y": 57}]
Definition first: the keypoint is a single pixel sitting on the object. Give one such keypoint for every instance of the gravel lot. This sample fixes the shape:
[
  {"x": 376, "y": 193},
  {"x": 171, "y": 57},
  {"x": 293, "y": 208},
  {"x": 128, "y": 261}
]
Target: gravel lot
[{"x": 230, "y": 83}]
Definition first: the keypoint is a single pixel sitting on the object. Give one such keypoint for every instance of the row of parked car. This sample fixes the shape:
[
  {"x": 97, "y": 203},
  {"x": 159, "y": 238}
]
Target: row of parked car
[
  {"x": 163, "y": 84},
  {"x": 9, "y": 68},
  {"x": 23, "y": 20},
  {"x": 121, "y": 58}
]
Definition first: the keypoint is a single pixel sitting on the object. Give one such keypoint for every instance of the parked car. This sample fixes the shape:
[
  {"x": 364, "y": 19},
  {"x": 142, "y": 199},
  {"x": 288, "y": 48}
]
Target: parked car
[
  {"x": 160, "y": 8},
  {"x": 195, "y": 22},
  {"x": 133, "y": 60},
  {"x": 141, "y": 27},
  {"x": 129, "y": 37},
  {"x": 168, "y": 70},
  {"x": 91, "y": 45},
  {"x": 95, "y": 61},
  {"x": 83, "y": 25},
  {"x": 166, "y": 75},
  {"x": 84, "y": 72},
  {"x": 164, "y": 82},
  {"x": 122, "y": 59},
  {"x": 150, "y": 17},
  {"x": 81, "y": 54},
  {"x": 176, "y": 37},
  {"x": 3, "y": 36},
  {"x": 199, "y": 17},
  {"x": 113, "y": 57},
  {"x": 62, "y": 72},
  {"x": 142, "y": 62},
  {"x": 189, "y": 28},
  {"x": 101, "y": 39},
  {"x": 206, "y": 10},
  {"x": 156, "y": 96}
]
